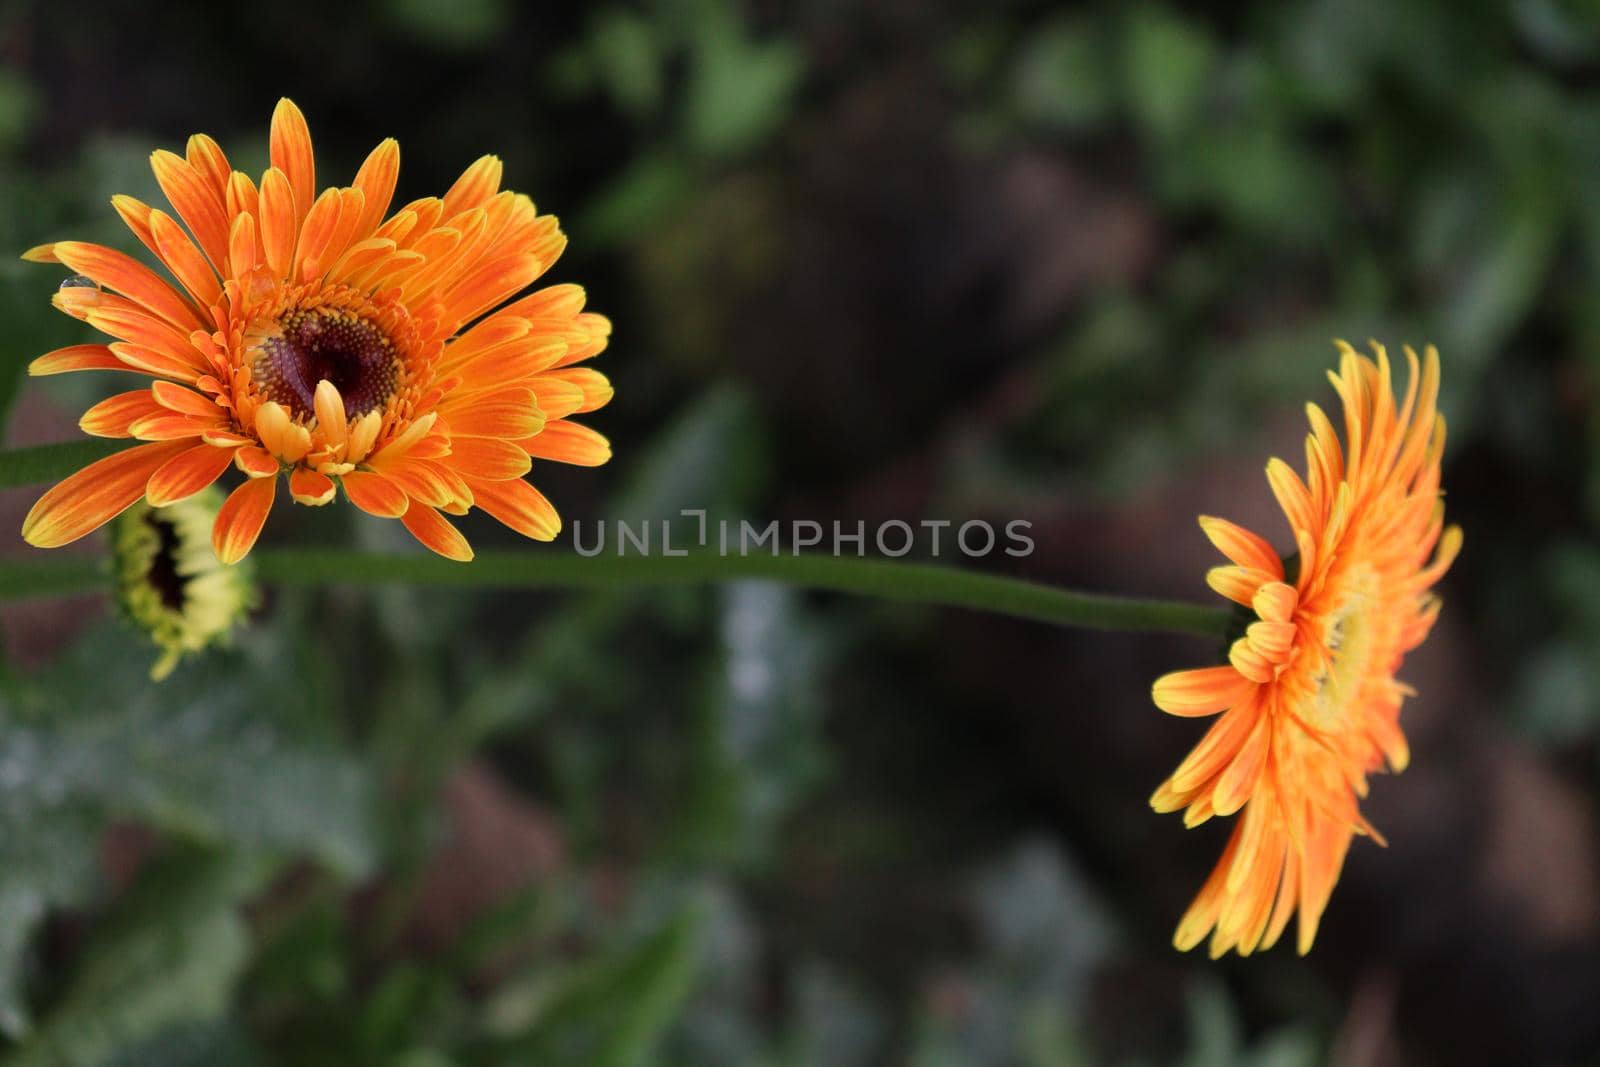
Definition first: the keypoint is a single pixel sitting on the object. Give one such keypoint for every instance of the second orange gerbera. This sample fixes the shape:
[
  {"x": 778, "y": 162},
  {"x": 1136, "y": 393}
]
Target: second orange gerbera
[
  {"x": 310, "y": 335},
  {"x": 1309, "y": 702}
]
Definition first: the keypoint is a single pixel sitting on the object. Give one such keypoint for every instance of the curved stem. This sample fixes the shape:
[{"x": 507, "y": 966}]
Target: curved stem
[{"x": 887, "y": 579}]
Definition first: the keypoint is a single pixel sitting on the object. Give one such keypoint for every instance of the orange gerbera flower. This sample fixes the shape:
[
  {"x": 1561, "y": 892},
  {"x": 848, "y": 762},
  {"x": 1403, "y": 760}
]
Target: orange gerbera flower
[
  {"x": 1311, "y": 705},
  {"x": 309, "y": 335}
]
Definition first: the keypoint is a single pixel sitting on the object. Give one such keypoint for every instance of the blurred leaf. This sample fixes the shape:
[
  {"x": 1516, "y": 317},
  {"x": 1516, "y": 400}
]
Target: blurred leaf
[
  {"x": 712, "y": 455},
  {"x": 628, "y": 60},
  {"x": 201, "y": 756},
  {"x": 648, "y": 191},
  {"x": 739, "y": 90},
  {"x": 168, "y": 954},
  {"x": 1167, "y": 63},
  {"x": 1215, "y": 1034},
  {"x": 191, "y": 1045},
  {"x": 612, "y": 1011},
  {"x": 1060, "y": 77},
  {"x": 455, "y": 24}
]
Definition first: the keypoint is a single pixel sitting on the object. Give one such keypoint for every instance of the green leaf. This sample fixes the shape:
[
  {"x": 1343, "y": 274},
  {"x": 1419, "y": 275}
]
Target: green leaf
[
  {"x": 628, "y": 60},
  {"x": 1060, "y": 78},
  {"x": 1167, "y": 64},
  {"x": 739, "y": 90},
  {"x": 462, "y": 25},
  {"x": 169, "y": 954},
  {"x": 612, "y": 1012},
  {"x": 213, "y": 1044},
  {"x": 93, "y": 742}
]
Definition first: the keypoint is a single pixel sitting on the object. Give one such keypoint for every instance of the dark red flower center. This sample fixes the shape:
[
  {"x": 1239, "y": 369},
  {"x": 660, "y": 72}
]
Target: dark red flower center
[{"x": 311, "y": 346}]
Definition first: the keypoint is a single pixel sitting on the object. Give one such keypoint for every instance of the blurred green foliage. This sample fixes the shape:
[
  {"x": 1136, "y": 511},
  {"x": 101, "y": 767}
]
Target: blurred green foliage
[{"x": 243, "y": 865}]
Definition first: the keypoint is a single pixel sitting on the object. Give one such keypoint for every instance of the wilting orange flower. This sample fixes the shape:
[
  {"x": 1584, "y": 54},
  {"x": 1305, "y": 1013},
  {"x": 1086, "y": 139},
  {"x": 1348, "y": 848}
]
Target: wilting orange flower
[
  {"x": 312, "y": 336},
  {"x": 1311, "y": 705}
]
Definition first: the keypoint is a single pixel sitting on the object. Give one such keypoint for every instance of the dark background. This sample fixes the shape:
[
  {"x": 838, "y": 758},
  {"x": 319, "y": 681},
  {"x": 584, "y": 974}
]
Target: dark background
[{"x": 1079, "y": 265}]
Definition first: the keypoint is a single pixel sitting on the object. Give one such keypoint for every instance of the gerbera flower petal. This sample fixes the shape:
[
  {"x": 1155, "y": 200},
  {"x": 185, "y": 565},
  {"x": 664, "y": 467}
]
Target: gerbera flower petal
[
  {"x": 568, "y": 442},
  {"x": 186, "y": 474},
  {"x": 376, "y": 179},
  {"x": 115, "y": 415},
  {"x": 375, "y": 494},
  {"x": 290, "y": 148},
  {"x": 310, "y": 487},
  {"x": 243, "y": 515},
  {"x": 195, "y": 203},
  {"x": 1203, "y": 691},
  {"x": 518, "y": 505},
  {"x": 436, "y": 533},
  {"x": 75, "y": 358},
  {"x": 89, "y": 499},
  {"x": 187, "y": 263},
  {"x": 488, "y": 458},
  {"x": 128, "y": 276},
  {"x": 1247, "y": 549},
  {"x": 279, "y": 222}
]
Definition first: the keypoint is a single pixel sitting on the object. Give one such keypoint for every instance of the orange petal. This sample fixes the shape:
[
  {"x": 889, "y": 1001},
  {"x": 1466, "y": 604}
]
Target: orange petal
[
  {"x": 176, "y": 398},
  {"x": 434, "y": 531},
  {"x": 242, "y": 246},
  {"x": 76, "y": 357},
  {"x": 1239, "y": 779},
  {"x": 594, "y": 387},
  {"x": 257, "y": 462},
  {"x": 209, "y": 161},
  {"x": 142, "y": 329},
  {"x": 375, "y": 494},
  {"x": 507, "y": 417},
  {"x": 186, "y": 262},
  {"x": 132, "y": 279},
  {"x": 1275, "y": 602},
  {"x": 149, "y": 361},
  {"x": 316, "y": 232},
  {"x": 1219, "y": 745},
  {"x": 1292, "y": 496},
  {"x": 195, "y": 202},
  {"x": 1204, "y": 691},
  {"x": 310, "y": 488},
  {"x": 290, "y": 147},
  {"x": 1242, "y": 546},
  {"x": 278, "y": 223},
  {"x": 241, "y": 518},
  {"x": 136, "y": 214},
  {"x": 1251, "y": 663},
  {"x": 557, "y": 398},
  {"x": 518, "y": 505},
  {"x": 476, "y": 185},
  {"x": 186, "y": 474},
  {"x": 115, "y": 415},
  {"x": 329, "y": 406},
  {"x": 568, "y": 442},
  {"x": 1238, "y": 584},
  {"x": 1272, "y": 640},
  {"x": 93, "y": 496},
  {"x": 491, "y": 284},
  {"x": 489, "y": 458},
  {"x": 376, "y": 180}
]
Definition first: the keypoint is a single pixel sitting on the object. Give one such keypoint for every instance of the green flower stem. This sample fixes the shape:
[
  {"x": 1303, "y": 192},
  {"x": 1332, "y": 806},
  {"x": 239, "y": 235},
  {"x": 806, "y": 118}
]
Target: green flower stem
[
  {"x": 48, "y": 463},
  {"x": 45, "y": 575},
  {"x": 886, "y": 579}
]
